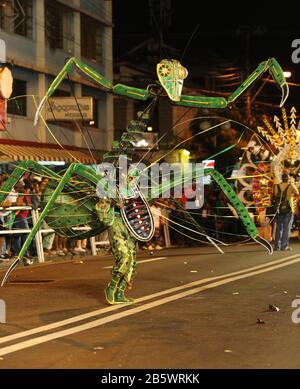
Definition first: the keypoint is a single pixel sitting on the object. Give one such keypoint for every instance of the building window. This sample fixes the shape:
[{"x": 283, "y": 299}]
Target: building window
[
  {"x": 120, "y": 117},
  {"x": 92, "y": 33},
  {"x": 16, "y": 17},
  {"x": 18, "y": 106},
  {"x": 59, "y": 26}
]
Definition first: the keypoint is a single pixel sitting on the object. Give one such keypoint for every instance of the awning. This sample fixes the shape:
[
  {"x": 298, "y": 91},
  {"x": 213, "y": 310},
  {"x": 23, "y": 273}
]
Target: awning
[{"x": 12, "y": 152}]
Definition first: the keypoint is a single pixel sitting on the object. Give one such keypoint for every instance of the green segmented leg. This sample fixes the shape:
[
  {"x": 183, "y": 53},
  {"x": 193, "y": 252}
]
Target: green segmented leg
[
  {"x": 119, "y": 89},
  {"x": 220, "y": 102},
  {"x": 185, "y": 100},
  {"x": 239, "y": 207},
  {"x": 276, "y": 72},
  {"x": 228, "y": 192},
  {"x": 74, "y": 168}
]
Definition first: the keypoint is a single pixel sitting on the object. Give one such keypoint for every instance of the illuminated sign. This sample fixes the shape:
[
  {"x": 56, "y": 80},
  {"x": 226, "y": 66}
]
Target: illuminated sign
[
  {"x": 208, "y": 164},
  {"x": 67, "y": 109}
]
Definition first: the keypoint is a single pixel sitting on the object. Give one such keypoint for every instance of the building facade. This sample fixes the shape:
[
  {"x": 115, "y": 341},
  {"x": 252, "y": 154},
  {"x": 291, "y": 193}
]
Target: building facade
[{"x": 40, "y": 35}]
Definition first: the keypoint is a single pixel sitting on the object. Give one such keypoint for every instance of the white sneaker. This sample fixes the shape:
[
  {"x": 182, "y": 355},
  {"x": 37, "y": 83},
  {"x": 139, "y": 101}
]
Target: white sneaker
[
  {"x": 79, "y": 250},
  {"x": 158, "y": 247}
]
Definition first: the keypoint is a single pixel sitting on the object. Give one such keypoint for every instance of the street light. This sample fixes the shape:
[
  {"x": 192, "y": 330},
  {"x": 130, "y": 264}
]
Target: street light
[{"x": 287, "y": 74}]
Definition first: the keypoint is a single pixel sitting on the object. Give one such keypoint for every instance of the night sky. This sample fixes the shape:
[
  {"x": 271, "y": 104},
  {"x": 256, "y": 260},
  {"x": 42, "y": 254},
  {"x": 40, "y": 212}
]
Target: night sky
[{"x": 220, "y": 31}]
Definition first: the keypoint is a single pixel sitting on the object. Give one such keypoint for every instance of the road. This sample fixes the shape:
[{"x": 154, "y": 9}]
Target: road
[{"x": 194, "y": 309}]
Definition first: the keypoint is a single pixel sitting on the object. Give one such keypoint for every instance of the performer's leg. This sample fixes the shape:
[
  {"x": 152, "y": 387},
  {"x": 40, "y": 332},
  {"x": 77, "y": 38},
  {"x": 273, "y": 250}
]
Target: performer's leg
[
  {"x": 124, "y": 250},
  {"x": 120, "y": 297},
  {"x": 111, "y": 289}
]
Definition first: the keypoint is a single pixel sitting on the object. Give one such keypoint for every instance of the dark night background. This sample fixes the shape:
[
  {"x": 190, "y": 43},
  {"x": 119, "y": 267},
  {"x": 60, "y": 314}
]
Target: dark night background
[
  {"x": 220, "y": 33},
  {"x": 273, "y": 29}
]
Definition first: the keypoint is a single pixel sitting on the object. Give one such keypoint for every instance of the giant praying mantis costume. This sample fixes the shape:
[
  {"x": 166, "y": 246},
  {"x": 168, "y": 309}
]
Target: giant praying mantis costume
[{"x": 128, "y": 218}]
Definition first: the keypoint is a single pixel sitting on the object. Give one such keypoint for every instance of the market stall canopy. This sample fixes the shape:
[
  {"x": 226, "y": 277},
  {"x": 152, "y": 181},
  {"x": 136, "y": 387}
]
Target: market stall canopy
[{"x": 13, "y": 151}]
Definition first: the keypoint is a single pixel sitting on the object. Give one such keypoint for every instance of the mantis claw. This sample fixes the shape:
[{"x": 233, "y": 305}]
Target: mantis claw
[
  {"x": 38, "y": 111},
  {"x": 276, "y": 72},
  {"x": 285, "y": 93},
  {"x": 278, "y": 76},
  {"x": 263, "y": 242}
]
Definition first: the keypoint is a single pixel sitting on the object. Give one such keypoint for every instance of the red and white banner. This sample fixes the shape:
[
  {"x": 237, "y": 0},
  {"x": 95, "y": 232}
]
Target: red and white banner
[{"x": 209, "y": 164}]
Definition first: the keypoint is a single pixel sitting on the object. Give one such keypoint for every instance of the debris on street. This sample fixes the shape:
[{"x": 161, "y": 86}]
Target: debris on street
[{"x": 273, "y": 308}]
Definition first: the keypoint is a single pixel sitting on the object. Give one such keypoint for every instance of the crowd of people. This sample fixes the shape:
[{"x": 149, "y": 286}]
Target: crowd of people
[
  {"x": 215, "y": 217},
  {"x": 27, "y": 193}
]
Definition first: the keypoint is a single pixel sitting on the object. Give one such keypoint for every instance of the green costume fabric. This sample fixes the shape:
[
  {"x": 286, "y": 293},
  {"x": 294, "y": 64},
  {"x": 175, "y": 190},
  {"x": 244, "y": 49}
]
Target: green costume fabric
[
  {"x": 105, "y": 212},
  {"x": 123, "y": 247}
]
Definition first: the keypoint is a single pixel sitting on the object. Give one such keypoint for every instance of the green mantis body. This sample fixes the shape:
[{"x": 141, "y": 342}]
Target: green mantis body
[
  {"x": 71, "y": 201},
  {"x": 171, "y": 75}
]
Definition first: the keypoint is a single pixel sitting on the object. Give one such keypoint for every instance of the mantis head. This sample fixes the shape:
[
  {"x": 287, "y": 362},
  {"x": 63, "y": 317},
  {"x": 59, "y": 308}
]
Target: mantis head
[{"x": 171, "y": 75}]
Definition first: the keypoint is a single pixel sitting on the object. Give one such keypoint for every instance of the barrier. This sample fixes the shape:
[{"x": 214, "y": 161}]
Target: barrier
[
  {"x": 39, "y": 238},
  {"x": 2, "y": 311}
]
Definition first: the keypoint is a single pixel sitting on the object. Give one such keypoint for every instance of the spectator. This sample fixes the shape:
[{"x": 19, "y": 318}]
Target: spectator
[
  {"x": 21, "y": 223},
  {"x": 156, "y": 241},
  {"x": 25, "y": 179},
  {"x": 60, "y": 245},
  {"x": 283, "y": 196},
  {"x": 34, "y": 203},
  {"x": 80, "y": 246},
  {"x": 6, "y": 221},
  {"x": 3, "y": 214},
  {"x": 48, "y": 239}
]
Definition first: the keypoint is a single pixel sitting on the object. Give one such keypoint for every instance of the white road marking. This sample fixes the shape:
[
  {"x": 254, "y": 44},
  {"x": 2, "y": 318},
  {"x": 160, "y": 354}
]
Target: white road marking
[
  {"x": 108, "y": 319},
  {"x": 142, "y": 261},
  {"x": 101, "y": 311}
]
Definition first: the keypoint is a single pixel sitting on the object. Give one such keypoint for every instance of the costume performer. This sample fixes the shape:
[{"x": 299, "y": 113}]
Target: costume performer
[{"x": 129, "y": 217}]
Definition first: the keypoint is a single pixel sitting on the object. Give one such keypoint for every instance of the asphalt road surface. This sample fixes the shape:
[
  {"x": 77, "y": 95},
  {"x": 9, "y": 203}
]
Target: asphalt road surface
[{"x": 194, "y": 308}]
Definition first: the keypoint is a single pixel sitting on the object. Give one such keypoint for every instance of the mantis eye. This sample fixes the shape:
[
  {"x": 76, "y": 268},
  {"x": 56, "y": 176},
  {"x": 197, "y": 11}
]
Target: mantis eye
[
  {"x": 164, "y": 70},
  {"x": 182, "y": 72}
]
